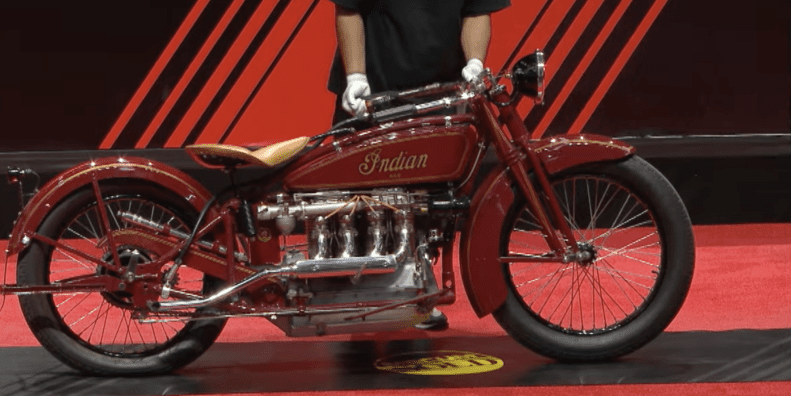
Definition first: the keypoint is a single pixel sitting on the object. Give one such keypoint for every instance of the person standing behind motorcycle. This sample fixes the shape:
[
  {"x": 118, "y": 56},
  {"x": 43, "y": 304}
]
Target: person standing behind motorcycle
[{"x": 398, "y": 44}]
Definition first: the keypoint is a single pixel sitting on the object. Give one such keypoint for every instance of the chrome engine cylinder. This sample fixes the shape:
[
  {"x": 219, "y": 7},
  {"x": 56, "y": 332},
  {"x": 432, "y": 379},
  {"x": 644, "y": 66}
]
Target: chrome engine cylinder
[
  {"x": 319, "y": 244},
  {"x": 405, "y": 235},
  {"x": 375, "y": 243},
  {"x": 347, "y": 235}
]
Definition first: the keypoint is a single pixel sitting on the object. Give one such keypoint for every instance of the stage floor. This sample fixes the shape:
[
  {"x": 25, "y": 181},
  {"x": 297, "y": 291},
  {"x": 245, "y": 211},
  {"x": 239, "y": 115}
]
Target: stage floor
[
  {"x": 734, "y": 330},
  {"x": 228, "y": 368}
]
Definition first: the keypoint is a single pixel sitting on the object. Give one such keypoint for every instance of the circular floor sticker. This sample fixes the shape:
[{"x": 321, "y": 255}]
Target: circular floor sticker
[{"x": 439, "y": 363}]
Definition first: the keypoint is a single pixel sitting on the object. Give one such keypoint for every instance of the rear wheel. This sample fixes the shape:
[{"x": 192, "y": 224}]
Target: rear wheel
[
  {"x": 101, "y": 333},
  {"x": 631, "y": 222}
]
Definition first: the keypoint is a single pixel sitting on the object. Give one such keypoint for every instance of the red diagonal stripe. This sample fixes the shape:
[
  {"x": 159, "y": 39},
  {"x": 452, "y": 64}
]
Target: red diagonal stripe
[
  {"x": 220, "y": 75},
  {"x": 617, "y": 66},
  {"x": 558, "y": 101},
  {"x": 572, "y": 35},
  {"x": 549, "y": 23},
  {"x": 186, "y": 78},
  {"x": 244, "y": 87},
  {"x": 153, "y": 74}
]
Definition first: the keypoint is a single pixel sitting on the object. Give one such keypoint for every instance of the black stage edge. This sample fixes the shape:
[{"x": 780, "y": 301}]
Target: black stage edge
[{"x": 692, "y": 357}]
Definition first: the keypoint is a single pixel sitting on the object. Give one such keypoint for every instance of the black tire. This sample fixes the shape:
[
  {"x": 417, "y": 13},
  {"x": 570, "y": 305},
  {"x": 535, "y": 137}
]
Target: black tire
[
  {"x": 634, "y": 222},
  {"x": 95, "y": 332}
]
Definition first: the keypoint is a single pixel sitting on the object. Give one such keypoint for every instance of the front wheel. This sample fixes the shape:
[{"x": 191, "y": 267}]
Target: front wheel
[{"x": 637, "y": 232}]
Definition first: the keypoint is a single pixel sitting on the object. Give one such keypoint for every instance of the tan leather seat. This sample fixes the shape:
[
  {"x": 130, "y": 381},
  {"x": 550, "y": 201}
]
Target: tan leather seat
[{"x": 225, "y": 155}]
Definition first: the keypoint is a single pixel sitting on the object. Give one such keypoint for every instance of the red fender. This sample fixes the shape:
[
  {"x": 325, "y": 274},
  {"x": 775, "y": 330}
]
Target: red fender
[
  {"x": 83, "y": 175},
  {"x": 480, "y": 246},
  {"x": 559, "y": 153}
]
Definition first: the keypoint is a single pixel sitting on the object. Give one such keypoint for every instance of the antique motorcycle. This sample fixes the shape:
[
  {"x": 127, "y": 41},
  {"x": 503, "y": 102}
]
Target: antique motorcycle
[{"x": 581, "y": 250}]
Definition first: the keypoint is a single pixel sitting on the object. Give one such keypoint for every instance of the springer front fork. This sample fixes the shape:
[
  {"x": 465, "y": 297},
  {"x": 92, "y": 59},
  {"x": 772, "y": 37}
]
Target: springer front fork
[{"x": 520, "y": 158}]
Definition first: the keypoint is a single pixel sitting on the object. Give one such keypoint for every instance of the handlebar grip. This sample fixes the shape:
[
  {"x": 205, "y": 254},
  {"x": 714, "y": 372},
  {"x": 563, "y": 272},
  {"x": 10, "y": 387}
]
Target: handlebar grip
[
  {"x": 394, "y": 113},
  {"x": 380, "y": 99}
]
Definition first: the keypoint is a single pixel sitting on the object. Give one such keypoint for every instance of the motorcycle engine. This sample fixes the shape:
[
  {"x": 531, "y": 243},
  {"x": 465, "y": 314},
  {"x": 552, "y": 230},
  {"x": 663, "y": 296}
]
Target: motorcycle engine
[{"x": 340, "y": 225}]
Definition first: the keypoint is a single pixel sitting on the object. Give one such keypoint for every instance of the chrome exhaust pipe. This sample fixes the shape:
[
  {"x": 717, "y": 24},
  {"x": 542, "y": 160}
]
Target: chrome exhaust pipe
[{"x": 305, "y": 269}]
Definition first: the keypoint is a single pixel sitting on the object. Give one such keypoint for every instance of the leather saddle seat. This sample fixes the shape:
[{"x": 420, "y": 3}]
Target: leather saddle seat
[{"x": 230, "y": 156}]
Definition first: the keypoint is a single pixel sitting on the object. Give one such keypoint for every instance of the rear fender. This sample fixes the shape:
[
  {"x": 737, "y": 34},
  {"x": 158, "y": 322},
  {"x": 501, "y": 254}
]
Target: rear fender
[
  {"x": 82, "y": 175},
  {"x": 481, "y": 269}
]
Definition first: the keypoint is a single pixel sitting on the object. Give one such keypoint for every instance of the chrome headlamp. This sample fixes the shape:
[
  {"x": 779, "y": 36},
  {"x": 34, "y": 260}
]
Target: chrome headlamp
[{"x": 527, "y": 76}]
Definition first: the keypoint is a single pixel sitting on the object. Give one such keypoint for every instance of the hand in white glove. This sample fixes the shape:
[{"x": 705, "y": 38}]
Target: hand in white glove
[
  {"x": 356, "y": 86},
  {"x": 473, "y": 69}
]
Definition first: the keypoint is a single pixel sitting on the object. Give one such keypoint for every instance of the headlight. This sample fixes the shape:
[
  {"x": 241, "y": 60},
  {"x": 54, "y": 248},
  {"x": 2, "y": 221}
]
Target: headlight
[{"x": 527, "y": 76}]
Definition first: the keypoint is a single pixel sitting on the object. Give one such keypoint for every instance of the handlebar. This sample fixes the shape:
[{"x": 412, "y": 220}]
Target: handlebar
[
  {"x": 457, "y": 93},
  {"x": 387, "y": 97}
]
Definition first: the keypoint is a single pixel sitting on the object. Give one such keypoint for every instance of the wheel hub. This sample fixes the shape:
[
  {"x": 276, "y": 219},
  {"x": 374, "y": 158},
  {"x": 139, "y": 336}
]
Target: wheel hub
[
  {"x": 586, "y": 254},
  {"x": 129, "y": 257}
]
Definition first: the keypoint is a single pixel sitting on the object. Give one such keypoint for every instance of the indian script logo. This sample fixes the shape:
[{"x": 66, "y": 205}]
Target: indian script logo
[{"x": 374, "y": 162}]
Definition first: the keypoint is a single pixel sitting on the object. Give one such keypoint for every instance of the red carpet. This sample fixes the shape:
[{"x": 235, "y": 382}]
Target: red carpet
[{"x": 742, "y": 281}]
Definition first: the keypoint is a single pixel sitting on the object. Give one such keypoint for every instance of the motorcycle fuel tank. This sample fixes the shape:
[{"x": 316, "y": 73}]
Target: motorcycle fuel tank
[{"x": 401, "y": 153}]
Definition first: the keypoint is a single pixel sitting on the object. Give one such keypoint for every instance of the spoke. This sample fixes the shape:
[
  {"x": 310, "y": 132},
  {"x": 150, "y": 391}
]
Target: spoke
[
  {"x": 550, "y": 275},
  {"x": 613, "y": 275},
  {"x": 576, "y": 291},
  {"x": 83, "y": 317},
  {"x": 70, "y": 296},
  {"x": 112, "y": 216},
  {"x": 104, "y": 325},
  {"x": 611, "y": 298},
  {"x": 569, "y": 204},
  {"x": 559, "y": 271},
  {"x": 608, "y": 269},
  {"x": 532, "y": 226},
  {"x": 619, "y": 226},
  {"x": 562, "y": 298},
  {"x": 90, "y": 229},
  {"x": 80, "y": 235},
  {"x": 613, "y": 231},
  {"x": 601, "y": 292},
  {"x": 98, "y": 318},
  {"x": 635, "y": 259},
  {"x": 601, "y": 207},
  {"x": 139, "y": 333},
  {"x": 73, "y": 259},
  {"x": 85, "y": 296},
  {"x": 626, "y": 247},
  {"x": 127, "y": 334}
]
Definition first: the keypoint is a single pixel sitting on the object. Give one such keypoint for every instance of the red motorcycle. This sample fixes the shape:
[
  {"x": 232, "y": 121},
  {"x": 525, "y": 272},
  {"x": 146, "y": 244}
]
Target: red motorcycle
[{"x": 580, "y": 249}]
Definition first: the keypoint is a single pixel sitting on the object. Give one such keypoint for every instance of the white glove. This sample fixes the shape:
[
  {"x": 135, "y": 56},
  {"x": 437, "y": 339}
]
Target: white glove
[
  {"x": 473, "y": 69},
  {"x": 356, "y": 86}
]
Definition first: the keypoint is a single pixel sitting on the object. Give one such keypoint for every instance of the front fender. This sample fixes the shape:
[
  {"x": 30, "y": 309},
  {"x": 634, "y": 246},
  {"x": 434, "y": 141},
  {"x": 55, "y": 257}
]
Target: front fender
[
  {"x": 559, "y": 153},
  {"x": 84, "y": 174},
  {"x": 479, "y": 250},
  {"x": 479, "y": 253}
]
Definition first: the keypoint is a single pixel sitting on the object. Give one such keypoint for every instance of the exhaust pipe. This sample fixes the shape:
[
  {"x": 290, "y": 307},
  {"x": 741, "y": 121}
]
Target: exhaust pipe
[{"x": 304, "y": 269}]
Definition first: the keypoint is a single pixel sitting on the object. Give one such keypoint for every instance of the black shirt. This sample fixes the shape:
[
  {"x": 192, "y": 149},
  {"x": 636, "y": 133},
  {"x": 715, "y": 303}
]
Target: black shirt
[{"x": 410, "y": 43}]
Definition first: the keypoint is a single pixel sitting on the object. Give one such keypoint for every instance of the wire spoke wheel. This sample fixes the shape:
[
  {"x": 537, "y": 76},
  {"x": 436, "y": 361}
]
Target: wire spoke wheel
[
  {"x": 619, "y": 231},
  {"x": 631, "y": 281},
  {"x": 106, "y": 321},
  {"x": 102, "y": 332}
]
